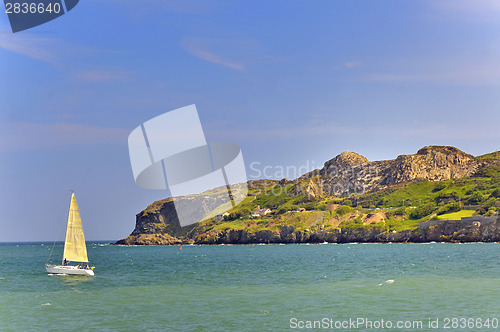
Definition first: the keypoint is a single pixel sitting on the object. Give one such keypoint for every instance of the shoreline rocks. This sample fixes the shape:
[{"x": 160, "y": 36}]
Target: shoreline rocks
[{"x": 453, "y": 232}]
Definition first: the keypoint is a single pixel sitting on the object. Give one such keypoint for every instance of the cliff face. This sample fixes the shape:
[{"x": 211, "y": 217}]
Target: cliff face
[
  {"x": 431, "y": 163},
  {"x": 444, "y": 232},
  {"x": 351, "y": 173},
  {"x": 159, "y": 217}
]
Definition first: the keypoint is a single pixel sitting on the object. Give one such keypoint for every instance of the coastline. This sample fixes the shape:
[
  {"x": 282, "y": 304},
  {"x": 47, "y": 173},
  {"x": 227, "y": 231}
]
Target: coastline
[{"x": 453, "y": 232}]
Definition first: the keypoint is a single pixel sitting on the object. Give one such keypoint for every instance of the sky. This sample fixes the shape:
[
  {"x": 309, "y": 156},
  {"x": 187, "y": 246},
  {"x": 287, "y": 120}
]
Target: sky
[{"x": 293, "y": 83}]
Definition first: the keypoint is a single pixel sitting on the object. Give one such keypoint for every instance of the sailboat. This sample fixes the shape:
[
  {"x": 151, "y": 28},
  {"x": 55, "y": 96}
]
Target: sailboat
[{"x": 75, "y": 249}]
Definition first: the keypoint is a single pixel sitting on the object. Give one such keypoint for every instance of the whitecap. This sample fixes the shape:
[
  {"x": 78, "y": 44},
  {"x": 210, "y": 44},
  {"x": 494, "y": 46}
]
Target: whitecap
[
  {"x": 390, "y": 281},
  {"x": 46, "y": 303}
]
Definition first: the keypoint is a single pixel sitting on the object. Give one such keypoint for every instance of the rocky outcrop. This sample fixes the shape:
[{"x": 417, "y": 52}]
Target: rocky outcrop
[
  {"x": 435, "y": 163},
  {"x": 150, "y": 240},
  {"x": 346, "y": 159},
  {"x": 159, "y": 217},
  {"x": 350, "y": 172}
]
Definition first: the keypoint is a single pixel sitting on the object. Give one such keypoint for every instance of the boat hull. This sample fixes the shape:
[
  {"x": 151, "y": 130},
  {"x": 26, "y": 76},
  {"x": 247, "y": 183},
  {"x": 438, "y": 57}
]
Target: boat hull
[{"x": 68, "y": 269}]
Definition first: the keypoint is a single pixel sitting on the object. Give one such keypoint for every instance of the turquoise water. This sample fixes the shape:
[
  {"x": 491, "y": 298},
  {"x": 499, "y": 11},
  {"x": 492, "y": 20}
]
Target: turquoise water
[{"x": 250, "y": 288}]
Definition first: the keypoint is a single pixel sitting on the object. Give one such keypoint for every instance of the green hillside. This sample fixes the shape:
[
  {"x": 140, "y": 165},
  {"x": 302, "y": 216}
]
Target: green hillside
[{"x": 398, "y": 207}]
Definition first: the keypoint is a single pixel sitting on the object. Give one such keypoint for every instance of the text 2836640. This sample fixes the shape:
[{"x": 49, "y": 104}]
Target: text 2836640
[{"x": 31, "y": 7}]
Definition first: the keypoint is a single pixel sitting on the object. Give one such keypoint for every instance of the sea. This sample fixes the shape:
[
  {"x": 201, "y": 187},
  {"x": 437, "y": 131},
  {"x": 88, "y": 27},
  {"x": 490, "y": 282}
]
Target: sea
[{"x": 342, "y": 287}]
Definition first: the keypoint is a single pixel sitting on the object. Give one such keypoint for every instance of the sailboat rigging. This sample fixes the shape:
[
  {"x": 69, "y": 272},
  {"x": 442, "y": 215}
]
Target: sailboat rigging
[{"x": 75, "y": 249}]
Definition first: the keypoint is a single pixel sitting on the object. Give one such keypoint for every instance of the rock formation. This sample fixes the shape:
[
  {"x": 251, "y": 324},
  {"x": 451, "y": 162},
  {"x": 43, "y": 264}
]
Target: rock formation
[{"x": 350, "y": 172}]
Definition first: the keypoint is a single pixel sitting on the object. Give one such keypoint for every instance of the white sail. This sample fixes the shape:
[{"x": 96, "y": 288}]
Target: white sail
[{"x": 74, "y": 246}]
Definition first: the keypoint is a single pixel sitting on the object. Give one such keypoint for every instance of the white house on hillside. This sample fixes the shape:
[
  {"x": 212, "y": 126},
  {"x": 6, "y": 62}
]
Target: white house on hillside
[
  {"x": 260, "y": 212},
  {"x": 220, "y": 216}
]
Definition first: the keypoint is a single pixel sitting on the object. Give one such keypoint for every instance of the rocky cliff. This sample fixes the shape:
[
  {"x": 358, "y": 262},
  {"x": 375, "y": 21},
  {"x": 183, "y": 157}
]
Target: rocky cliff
[
  {"x": 444, "y": 232},
  {"x": 350, "y": 172},
  {"x": 341, "y": 176},
  {"x": 449, "y": 231}
]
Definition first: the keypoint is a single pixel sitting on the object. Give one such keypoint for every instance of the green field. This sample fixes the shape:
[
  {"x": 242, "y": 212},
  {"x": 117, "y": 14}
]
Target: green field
[{"x": 456, "y": 215}]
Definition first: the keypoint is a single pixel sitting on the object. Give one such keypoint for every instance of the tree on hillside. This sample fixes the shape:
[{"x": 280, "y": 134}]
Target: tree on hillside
[
  {"x": 383, "y": 201},
  {"x": 343, "y": 210},
  {"x": 439, "y": 186},
  {"x": 452, "y": 206},
  {"x": 476, "y": 198},
  {"x": 491, "y": 202},
  {"x": 348, "y": 202},
  {"x": 423, "y": 211}
]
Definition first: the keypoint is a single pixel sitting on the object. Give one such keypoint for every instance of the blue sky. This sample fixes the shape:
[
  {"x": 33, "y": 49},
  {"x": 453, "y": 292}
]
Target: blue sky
[{"x": 293, "y": 83}]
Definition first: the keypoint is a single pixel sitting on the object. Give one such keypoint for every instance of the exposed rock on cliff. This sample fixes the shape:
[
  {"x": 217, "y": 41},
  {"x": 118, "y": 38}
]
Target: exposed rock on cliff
[
  {"x": 350, "y": 173},
  {"x": 443, "y": 232},
  {"x": 346, "y": 158},
  {"x": 435, "y": 163},
  {"x": 150, "y": 240},
  {"x": 159, "y": 217}
]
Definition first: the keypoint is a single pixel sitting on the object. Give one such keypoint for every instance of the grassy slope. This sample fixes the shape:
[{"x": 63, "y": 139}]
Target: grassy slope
[
  {"x": 490, "y": 156},
  {"x": 456, "y": 215}
]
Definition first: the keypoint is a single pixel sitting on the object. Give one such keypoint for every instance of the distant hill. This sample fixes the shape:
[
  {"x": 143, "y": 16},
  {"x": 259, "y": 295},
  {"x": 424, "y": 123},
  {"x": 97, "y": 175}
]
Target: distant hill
[{"x": 380, "y": 199}]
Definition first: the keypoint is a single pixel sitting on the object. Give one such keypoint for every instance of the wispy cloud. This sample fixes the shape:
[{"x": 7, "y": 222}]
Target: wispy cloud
[
  {"x": 201, "y": 51},
  {"x": 478, "y": 67},
  {"x": 183, "y": 7},
  {"x": 102, "y": 75},
  {"x": 312, "y": 129},
  {"x": 60, "y": 54},
  {"x": 232, "y": 53},
  {"x": 340, "y": 67},
  {"x": 465, "y": 77},
  {"x": 469, "y": 10},
  {"x": 352, "y": 64},
  {"x": 320, "y": 130},
  {"x": 51, "y": 50},
  {"x": 39, "y": 48},
  {"x": 15, "y": 136}
]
